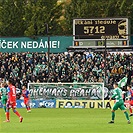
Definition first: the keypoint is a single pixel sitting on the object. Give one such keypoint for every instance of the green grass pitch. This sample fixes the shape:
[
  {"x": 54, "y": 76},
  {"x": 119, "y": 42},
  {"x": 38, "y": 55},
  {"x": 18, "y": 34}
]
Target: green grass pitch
[{"x": 66, "y": 120}]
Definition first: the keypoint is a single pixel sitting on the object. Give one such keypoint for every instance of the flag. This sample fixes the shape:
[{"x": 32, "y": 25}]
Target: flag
[{"x": 122, "y": 82}]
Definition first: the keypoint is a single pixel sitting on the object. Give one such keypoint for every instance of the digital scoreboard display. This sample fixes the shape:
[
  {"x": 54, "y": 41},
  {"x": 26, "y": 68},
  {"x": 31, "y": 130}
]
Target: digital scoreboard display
[{"x": 113, "y": 29}]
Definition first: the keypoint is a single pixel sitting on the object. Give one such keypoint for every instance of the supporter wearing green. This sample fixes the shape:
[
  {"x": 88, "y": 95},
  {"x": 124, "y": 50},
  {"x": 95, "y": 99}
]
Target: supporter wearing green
[
  {"x": 3, "y": 94},
  {"x": 117, "y": 95}
]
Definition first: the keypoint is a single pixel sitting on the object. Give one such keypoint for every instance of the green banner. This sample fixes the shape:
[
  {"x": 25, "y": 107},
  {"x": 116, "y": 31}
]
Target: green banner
[{"x": 39, "y": 44}]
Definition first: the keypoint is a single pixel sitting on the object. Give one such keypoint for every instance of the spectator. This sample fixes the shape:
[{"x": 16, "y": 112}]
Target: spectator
[{"x": 65, "y": 67}]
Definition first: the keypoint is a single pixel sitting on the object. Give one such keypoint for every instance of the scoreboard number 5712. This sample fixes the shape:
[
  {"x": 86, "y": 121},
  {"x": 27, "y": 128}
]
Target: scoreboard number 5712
[{"x": 94, "y": 29}]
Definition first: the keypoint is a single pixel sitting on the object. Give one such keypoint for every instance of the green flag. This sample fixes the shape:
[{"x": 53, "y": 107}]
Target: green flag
[{"x": 122, "y": 82}]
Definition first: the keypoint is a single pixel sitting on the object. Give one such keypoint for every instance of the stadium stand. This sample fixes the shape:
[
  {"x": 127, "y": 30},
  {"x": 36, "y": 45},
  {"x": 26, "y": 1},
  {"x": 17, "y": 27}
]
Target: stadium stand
[{"x": 65, "y": 67}]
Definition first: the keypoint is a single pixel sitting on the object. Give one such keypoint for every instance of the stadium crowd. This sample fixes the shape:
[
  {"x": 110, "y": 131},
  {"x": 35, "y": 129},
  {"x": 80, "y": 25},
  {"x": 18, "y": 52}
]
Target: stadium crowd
[{"x": 65, "y": 67}]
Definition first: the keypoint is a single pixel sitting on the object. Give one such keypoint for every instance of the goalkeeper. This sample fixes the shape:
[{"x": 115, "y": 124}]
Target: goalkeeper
[{"x": 117, "y": 94}]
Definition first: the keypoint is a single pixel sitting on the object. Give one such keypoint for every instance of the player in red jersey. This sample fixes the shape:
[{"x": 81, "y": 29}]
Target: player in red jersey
[
  {"x": 11, "y": 102},
  {"x": 129, "y": 88},
  {"x": 26, "y": 95}
]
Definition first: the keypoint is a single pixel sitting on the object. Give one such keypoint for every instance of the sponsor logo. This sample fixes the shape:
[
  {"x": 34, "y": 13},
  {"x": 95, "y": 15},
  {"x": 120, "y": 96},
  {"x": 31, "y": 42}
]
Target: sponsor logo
[{"x": 84, "y": 104}]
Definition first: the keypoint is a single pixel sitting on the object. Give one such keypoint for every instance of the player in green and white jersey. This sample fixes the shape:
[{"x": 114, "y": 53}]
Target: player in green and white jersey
[
  {"x": 117, "y": 95},
  {"x": 3, "y": 94}
]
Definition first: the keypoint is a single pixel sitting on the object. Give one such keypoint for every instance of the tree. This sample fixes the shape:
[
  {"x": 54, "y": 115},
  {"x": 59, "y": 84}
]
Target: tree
[
  {"x": 38, "y": 13},
  {"x": 11, "y": 18},
  {"x": 29, "y": 17}
]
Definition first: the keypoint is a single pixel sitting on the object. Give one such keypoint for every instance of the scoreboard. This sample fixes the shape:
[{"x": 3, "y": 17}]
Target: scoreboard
[{"x": 93, "y": 32}]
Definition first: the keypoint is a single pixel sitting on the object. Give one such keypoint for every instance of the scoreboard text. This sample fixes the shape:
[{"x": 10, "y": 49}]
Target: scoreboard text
[{"x": 97, "y": 29}]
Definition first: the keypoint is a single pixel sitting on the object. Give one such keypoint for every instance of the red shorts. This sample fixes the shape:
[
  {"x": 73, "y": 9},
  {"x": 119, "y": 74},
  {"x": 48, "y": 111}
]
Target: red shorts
[
  {"x": 11, "y": 104},
  {"x": 131, "y": 102},
  {"x": 26, "y": 101}
]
